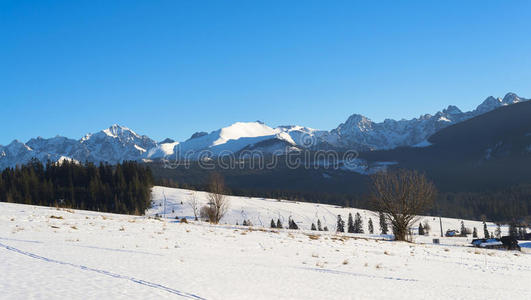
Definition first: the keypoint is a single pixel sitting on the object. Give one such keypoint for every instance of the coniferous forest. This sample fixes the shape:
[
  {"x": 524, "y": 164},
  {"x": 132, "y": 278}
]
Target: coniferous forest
[{"x": 123, "y": 188}]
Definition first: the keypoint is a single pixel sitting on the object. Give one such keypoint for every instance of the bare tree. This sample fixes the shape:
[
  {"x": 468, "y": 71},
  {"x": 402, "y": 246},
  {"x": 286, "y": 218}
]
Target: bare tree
[
  {"x": 194, "y": 204},
  {"x": 401, "y": 196},
  {"x": 218, "y": 203}
]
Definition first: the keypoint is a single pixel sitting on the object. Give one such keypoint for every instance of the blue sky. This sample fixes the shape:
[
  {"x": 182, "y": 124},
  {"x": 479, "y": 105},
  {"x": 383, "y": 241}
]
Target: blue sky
[{"x": 170, "y": 68}]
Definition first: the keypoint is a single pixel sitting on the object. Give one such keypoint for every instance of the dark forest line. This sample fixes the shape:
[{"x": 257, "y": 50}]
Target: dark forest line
[{"x": 123, "y": 188}]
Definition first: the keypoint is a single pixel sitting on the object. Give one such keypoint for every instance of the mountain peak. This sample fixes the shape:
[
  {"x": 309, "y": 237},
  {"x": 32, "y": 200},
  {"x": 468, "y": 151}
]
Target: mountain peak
[
  {"x": 246, "y": 129},
  {"x": 511, "y": 98},
  {"x": 167, "y": 141},
  {"x": 452, "y": 110},
  {"x": 116, "y": 130},
  {"x": 489, "y": 104},
  {"x": 198, "y": 135}
]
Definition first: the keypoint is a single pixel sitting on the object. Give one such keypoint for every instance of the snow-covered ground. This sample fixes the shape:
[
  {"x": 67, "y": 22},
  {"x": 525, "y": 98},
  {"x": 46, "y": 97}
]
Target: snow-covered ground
[
  {"x": 49, "y": 253},
  {"x": 260, "y": 211}
]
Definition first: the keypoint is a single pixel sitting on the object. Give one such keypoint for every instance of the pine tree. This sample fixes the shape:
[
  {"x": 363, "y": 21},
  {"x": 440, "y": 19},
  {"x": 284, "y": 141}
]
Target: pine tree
[
  {"x": 273, "y": 225},
  {"x": 340, "y": 224},
  {"x": 292, "y": 224},
  {"x": 513, "y": 231},
  {"x": 485, "y": 231},
  {"x": 325, "y": 228},
  {"x": 427, "y": 228},
  {"x": 475, "y": 233},
  {"x": 421, "y": 229},
  {"x": 279, "y": 224},
  {"x": 498, "y": 231},
  {"x": 319, "y": 225},
  {"x": 383, "y": 224},
  {"x": 350, "y": 224},
  {"x": 464, "y": 231},
  {"x": 313, "y": 227},
  {"x": 371, "y": 226},
  {"x": 358, "y": 224}
]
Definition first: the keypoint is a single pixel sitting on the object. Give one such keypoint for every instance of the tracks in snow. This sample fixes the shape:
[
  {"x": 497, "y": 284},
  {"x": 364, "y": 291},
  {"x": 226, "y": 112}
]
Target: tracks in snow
[{"x": 103, "y": 272}]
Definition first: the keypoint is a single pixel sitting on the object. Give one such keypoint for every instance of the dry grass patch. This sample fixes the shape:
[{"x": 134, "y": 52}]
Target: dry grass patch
[
  {"x": 56, "y": 217},
  {"x": 313, "y": 236}
]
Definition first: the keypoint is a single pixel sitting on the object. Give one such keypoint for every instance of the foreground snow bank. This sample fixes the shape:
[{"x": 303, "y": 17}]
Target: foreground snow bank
[{"x": 48, "y": 253}]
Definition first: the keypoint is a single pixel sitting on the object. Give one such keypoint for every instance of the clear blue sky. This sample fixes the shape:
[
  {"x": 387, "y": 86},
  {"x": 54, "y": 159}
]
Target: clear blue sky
[{"x": 170, "y": 68}]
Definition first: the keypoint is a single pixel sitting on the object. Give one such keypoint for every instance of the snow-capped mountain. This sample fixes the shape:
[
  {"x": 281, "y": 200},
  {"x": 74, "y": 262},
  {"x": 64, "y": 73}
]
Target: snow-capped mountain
[
  {"x": 114, "y": 144},
  {"x": 360, "y": 133},
  {"x": 118, "y": 143},
  {"x": 241, "y": 136}
]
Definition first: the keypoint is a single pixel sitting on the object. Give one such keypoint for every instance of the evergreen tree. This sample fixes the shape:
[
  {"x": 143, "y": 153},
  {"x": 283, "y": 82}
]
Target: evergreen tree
[
  {"x": 427, "y": 228},
  {"x": 340, "y": 224},
  {"x": 279, "y": 224},
  {"x": 325, "y": 228},
  {"x": 464, "y": 231},
  {"x": 313, "y": 227},
  {"x": 292, "y": 224},
  {"x": 371, "y": 226},
  {"x": 513, "y": 231},
  {"x": 498, "y": 231},
  {"x": 383, "y": 224},
  {"x": 123, "y": 188},
  {"x": 319, "y": 225},
  {"x": 350, "y": 224},
  {"x": 358, "y": 224},
  {"x": 475, "y": 233},
  {"x": 273, "y": 225},
  {"x": 421, "y": 229},
  {"x": 485, "y": 231}
]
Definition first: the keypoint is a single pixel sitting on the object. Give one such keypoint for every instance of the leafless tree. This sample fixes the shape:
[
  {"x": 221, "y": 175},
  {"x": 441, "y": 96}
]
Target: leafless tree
[
  {"x": 218, "y": 203},
  {"x": 194, "y": 204},
  {"x": 401, "y": 196}
]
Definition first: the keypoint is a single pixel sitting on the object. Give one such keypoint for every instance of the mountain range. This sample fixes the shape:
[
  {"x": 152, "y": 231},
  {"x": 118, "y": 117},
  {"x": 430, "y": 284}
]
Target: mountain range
[{"x": 118, "y": 143}]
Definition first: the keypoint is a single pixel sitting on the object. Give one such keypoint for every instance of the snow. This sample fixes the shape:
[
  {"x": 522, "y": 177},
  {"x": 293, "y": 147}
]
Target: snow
[
  {"x": 242, "y": 129},
  {"x": 162, "y": 150},
  {"x": 139, "y": 148},
  {"x": 85, "y": 255},
  {"x": 64, "y": 158},
  {"x": 423, "y": 144}
]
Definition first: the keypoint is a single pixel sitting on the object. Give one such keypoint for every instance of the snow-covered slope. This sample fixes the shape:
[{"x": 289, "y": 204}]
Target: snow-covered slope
[
  {"x": 250, "y": 136},
  {"x": 50, "y": 253},
  {"x": 260, "y": 211},
  {"x": 119, "y": 143}
]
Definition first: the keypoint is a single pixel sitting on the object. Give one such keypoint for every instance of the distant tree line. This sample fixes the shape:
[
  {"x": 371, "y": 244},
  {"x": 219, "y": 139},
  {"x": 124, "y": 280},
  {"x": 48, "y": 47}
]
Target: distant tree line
[
  {"x": 498, "y": 204},
  {"x": 501, "y": 205},
  {"x": 123, "y": 188}
]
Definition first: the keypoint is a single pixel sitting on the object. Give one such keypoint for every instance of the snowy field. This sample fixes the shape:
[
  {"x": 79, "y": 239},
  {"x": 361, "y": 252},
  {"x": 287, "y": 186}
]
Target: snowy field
[{"x": 49, "y": 253}]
